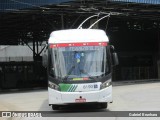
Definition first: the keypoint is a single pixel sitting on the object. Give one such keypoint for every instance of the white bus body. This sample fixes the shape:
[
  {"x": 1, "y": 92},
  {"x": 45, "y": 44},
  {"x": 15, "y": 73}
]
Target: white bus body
[{"x": 79, "y": 67}]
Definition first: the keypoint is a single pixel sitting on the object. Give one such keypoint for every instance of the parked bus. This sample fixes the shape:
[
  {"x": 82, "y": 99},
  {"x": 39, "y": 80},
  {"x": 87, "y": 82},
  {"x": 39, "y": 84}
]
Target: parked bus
[{"x": 79, "y": 64}]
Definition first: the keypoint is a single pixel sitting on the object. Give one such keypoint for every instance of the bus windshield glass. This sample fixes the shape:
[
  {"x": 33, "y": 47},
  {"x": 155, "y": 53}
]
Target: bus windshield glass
[{"x": 79, "y": 63}]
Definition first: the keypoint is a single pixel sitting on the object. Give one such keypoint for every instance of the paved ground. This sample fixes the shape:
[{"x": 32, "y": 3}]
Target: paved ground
[{"x": 138, "y": 97}]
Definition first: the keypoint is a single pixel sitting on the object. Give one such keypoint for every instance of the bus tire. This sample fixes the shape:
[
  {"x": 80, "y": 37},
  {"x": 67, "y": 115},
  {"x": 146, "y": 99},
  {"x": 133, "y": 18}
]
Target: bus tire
[
  {"x": 103, "y": 105},
  {"x": 55, "y": 107}
]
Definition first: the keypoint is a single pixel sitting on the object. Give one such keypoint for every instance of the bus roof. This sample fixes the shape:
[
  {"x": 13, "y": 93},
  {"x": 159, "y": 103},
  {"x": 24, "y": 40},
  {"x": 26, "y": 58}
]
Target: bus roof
[{"x": 78, "y": 35}]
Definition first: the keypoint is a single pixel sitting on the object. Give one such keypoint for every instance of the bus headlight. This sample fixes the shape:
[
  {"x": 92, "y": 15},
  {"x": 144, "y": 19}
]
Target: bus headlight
[
  {"x": 53, "y": 86},
  {"x": 106, "y": 84}
]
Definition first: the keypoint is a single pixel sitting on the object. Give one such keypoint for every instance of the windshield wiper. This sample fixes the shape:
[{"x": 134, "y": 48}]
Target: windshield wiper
[
  {"x": 83, "y": 71},
  {"x": 69, "y": 72}
]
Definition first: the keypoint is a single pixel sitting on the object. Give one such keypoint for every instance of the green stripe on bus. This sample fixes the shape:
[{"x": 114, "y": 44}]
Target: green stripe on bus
[
  {"x": 68, "y": 87},
  {"x": 75, "y": 87},
  {"x": 65, "y": 87},
  {"x": 72, "y": 88}
]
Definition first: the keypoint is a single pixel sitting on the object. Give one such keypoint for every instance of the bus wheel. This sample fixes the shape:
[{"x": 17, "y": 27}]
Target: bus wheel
[
  {"x": 55, "y": 107},
  {"x": 103, "y": 105}
]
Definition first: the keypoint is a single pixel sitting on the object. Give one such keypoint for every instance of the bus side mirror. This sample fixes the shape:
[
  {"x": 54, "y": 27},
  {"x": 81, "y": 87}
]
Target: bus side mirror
[
  {"x": 52, "y": 72},
  {"x": 45, "y": 56},
  {"x": 114, "y": 56},
  {"x": 45, "y": 60},
  {"x": 115, "y": 59}
]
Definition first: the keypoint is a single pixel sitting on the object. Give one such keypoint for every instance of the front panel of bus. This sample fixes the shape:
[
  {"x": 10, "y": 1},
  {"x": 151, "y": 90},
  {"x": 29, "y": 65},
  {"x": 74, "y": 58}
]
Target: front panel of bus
[{"x": 78, "y": 69}]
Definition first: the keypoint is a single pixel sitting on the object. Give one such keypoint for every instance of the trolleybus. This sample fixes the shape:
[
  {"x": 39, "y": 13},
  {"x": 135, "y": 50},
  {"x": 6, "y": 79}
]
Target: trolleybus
[{"x": 79, "y": 64}]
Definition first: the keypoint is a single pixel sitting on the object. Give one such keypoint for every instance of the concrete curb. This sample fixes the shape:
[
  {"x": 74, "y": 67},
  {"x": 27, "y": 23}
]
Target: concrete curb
[{"x": 131, "y": 82}]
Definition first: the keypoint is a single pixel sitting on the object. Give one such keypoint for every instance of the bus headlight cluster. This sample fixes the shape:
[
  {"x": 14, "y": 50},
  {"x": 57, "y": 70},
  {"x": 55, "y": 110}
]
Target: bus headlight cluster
[
  {"x": 106, "y": 84},
  {"x": 53, "y": 86}
]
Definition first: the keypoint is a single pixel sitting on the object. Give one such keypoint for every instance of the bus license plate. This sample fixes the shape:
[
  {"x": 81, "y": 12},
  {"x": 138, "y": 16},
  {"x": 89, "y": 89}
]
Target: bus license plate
[{"x": 81, "y": 100}]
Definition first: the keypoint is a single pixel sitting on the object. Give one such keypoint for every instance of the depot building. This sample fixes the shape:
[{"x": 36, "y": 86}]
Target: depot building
[{"x": 133, "y": 28}]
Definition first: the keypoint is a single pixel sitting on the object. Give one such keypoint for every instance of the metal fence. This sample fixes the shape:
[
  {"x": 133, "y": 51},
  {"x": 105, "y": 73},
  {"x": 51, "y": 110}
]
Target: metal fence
[
  {"x": 22, "y": 75},
  {"x": 134, "y": 73}
]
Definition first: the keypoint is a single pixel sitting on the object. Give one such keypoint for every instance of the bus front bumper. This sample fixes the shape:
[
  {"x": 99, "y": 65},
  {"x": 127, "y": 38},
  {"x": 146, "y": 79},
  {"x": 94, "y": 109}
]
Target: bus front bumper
[{"x": 60, "y": 98}]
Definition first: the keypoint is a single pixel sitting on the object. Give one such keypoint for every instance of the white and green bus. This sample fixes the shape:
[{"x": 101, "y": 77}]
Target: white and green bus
[{"x": 79, "y": 64}]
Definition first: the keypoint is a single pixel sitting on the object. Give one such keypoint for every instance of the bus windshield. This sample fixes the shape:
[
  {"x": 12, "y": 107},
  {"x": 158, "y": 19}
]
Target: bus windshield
[{"x": 79, "y": 63}]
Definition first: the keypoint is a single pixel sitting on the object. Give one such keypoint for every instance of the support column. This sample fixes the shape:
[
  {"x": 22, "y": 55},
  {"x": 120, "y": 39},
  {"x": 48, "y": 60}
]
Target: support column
[
  {"x": 62, "y": 21},
  {"x": 34, "y": 53},
  {"x": 37, "y": 46},
  {"x": 158, "y": 60}
]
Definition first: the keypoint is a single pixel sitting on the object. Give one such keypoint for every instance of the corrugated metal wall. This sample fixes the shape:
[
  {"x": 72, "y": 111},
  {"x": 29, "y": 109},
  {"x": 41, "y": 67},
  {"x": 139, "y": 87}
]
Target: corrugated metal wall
[
  {"x": 141, "y": 1},
  {"x": 20, "y": 4}
]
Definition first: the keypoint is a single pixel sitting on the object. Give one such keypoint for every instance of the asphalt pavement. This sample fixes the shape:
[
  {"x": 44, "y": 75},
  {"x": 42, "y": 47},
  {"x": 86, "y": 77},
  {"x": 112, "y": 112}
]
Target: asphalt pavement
[{"x": 129, "y": 97}]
